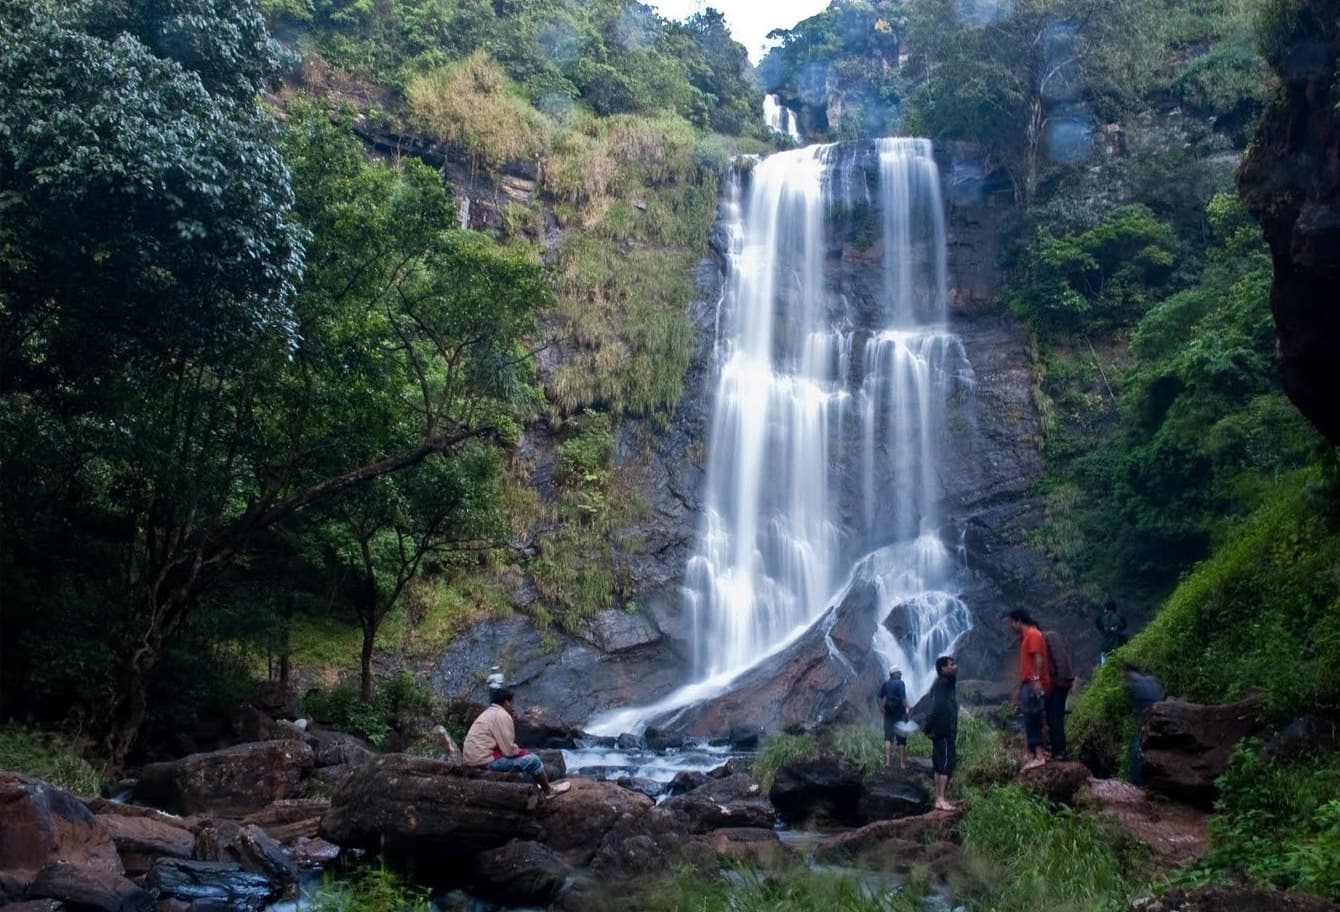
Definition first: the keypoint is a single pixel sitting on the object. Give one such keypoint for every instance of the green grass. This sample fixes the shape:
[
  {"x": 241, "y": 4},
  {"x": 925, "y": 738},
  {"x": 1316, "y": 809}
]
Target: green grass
[
  {"x": 1022, "y": 854},
  {"x": 795, "y": 890},
  {"x": 1262, "y": 613},
  {"x": 369, "y": 889},
  {"x": 50, "y": 757}
]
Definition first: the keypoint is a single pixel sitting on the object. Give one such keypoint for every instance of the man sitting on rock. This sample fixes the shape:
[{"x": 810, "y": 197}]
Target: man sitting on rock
[{"x": 491, "y": 743}]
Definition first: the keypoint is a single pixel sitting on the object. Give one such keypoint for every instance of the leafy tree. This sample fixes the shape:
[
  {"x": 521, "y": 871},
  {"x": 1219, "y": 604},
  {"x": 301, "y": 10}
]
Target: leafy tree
[{"x": 174, "y": 394}]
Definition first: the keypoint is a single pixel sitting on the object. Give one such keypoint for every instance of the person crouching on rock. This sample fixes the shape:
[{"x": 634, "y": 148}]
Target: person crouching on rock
[{"x": 491, "y": 743}]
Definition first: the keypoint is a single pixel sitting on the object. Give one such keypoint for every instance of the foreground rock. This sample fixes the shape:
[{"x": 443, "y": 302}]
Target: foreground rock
[
  {"x": 520, "y": 873},
  {"x": 83, "y": 887},
  {"x": 427, "y": 816},
  {"x": 232, "y": 781},
  {"x": 1186, "y": 746},
  {"x": 574, "y": 824},
  {"x": 43, "y": 825},
  {"x": 928, "y": 840},
  {"x": 1174, "y": 833},
  {"x": 1059, "y": 781},
  {"x": 824, "y": 790}
]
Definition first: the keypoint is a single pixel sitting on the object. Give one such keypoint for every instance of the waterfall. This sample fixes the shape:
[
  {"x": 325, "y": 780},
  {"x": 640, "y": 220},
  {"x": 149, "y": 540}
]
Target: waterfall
[
  {"x": 780, "y": 118},
  {"x": 829, "y": 415}
]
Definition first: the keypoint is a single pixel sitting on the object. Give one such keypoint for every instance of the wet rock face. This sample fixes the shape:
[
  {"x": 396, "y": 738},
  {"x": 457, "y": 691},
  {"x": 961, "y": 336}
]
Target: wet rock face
[{"x": 1290, "y": 181}]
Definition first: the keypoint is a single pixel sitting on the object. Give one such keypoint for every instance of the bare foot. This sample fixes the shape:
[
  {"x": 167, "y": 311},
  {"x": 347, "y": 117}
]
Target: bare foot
[
  {"x": 944, "y": 806},
  {"x": 1034, "y": 764}
]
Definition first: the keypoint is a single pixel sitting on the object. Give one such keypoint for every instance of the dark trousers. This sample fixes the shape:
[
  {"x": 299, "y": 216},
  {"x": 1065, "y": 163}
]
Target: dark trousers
[{"x": 1055, "y": 709}]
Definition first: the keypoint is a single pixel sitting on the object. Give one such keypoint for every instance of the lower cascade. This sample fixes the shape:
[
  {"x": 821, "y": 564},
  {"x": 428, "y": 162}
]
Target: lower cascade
[{"x": 824, "y": 460}]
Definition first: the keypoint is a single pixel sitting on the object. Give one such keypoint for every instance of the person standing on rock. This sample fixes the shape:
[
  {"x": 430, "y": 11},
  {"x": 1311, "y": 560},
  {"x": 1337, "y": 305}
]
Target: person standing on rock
[
  {"x": 942, "y": 727},
  {"x": 1034, "y": 681},
  {"x": 1062, "y": 673},
  {"x": 892, "y": 700},
  {"x": 491, "y": 743}
]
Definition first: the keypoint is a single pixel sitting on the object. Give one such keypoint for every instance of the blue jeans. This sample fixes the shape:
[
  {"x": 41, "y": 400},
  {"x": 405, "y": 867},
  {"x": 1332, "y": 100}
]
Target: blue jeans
[
  {"x": 1031, "y": 705},
  {"x": 529, "y": 764},
  {"x": 1055, "y": 703}
]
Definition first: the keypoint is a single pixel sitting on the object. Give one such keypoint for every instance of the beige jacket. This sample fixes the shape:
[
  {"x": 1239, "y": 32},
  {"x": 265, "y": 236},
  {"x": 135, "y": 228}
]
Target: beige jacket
[{"x": 492, "y": 729}]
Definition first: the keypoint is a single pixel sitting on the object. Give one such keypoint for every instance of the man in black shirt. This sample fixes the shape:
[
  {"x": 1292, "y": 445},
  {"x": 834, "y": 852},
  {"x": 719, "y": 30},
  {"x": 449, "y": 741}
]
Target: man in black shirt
[
  {"x": 892, "y": 700},
  {"x": 942, "y": 727}
]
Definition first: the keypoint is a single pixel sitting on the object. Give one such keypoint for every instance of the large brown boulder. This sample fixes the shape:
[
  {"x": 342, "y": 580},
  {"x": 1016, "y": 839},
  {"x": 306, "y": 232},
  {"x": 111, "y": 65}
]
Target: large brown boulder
[
  {"x": 575, "y": 822},
  {"x": 888, "y": 794},
  {"x": 825, "y": 790},
  {"x": 1059, "y": 781},
  {"x": 427, "y": 815},
  {"x": 735, "y": 801},
  {"x": 85, "y": 887},
  {"x": 232, "y": 781},
  {"x": 754, "y": 847},
  {"x": 42, "y": 824},
  {"x": 142, "y": 840},
  {"x": 1185, "y": 746},
  {"x": 929, "y": 840},
  {"x": 336, "y": 748},
  {"x": 521, "y": 873}
]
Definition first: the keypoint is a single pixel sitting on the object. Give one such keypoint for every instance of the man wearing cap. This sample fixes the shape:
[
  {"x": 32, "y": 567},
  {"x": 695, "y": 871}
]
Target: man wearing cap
[
  {"x": 892, "y": 700},
  {"x": 491, "y": 743}
]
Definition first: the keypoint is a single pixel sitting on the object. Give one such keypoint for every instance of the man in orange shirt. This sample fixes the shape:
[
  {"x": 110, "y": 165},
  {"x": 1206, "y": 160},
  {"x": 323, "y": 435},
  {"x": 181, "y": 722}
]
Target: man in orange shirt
[{"x": 1034, "y": 681}]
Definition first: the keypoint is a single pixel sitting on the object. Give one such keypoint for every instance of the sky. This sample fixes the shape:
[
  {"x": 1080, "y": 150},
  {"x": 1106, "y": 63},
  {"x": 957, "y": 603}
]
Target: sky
[{"x": 749, "y": 20}]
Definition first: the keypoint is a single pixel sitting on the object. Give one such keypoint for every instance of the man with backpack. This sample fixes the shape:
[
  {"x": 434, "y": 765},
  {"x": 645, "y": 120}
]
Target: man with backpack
[
  {"x": 1062, "y": 674},
  {"x": 1034, "y": 682}
]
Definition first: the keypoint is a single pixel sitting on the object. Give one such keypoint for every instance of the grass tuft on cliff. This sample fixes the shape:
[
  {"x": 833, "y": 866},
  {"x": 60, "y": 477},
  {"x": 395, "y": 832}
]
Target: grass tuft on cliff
[{"x": 50, "y": 757}]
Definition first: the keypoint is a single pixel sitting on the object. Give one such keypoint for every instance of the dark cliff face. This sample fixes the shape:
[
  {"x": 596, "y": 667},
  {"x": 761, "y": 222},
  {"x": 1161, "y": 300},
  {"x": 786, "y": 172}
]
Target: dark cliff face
[
  {"x": 993, "y": 453},
  {"x": 1290, "y": 182}
]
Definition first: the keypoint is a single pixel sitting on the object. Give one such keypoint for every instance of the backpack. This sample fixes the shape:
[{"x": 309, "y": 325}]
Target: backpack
[{"x": 1058, "y": 659}]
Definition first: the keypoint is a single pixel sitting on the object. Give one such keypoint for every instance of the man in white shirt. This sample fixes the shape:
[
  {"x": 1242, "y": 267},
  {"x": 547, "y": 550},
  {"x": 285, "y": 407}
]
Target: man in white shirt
[{"x": 491, "y": 743}]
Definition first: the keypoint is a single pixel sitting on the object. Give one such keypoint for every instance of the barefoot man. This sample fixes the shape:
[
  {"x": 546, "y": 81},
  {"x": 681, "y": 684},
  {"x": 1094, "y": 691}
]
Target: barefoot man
[{"x": 942, "y": 727}]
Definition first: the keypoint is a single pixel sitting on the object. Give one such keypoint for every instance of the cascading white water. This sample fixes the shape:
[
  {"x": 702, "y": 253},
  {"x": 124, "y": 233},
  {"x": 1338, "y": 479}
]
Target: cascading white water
[
  {"x": 780, "y": 118},
  {"x": 829, "y": 416}
]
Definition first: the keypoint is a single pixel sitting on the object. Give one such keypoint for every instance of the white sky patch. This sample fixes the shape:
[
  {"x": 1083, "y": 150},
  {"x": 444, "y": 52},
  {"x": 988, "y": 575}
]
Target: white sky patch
[{"x": 749, "y": 20}]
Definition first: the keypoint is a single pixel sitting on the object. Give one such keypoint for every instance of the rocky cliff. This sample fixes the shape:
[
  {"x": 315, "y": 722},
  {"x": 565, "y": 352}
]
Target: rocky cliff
[
  {"x": 994, "y": 458},
  {"x": 1290, "y": 181}
]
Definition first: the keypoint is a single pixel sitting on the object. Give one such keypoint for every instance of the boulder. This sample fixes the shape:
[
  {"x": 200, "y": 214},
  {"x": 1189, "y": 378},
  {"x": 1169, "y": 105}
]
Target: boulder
[
  {"x": 88, "y": 887},
  {"x": 250, "y": 848},
  {"x": 825, "y": 790},
  {"x": 754, "y": 847},
  {"x": 286, "y": 821},
  {"x": 575, "y": 822},
  {"x": 520, "y": 873},
  {"x": 618, "y": 631},
  {"x": 43, "y": 824},
  {"x": 214, "y": 883},
  {"x": 887, "y": 794},
  {"x": 423, "y": 812},
  {"x": 277, "y": 700},
  {"x": 1185, "y": 746},
  {"x": 733, "y": 802},
  {"x": 142, "y": 840},
  {"x": 36, "y": 905},
  {"x": 313, "y": 852},
  {"x": 336, "y": 748},
  {"x": 641, "y": 844},
  {"x": 252, "y": 724},
  {"x": 232, "y": 781},
  {"x": 897, "y": 845},
  {"x": 1059, "y": 781},
  {"x": 649, "y": 787},
  {"x": 685, "y": 781},
  {"x": 1234, "y": 898},
  {"x": 1174, "y": 834}
]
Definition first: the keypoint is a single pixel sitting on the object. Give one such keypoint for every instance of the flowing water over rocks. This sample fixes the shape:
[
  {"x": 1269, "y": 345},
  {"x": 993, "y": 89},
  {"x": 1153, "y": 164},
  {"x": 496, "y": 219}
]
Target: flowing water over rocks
[{"x": 823, "y": 492}]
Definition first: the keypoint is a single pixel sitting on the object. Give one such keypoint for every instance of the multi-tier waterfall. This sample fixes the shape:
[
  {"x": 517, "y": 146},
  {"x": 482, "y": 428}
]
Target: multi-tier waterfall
[
  {"x": 829, "y": 417},
  {"x": 780, "y": 118}
]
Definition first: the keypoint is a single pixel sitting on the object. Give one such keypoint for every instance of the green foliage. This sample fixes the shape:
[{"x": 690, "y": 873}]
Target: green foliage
[
  {"x": 49, "y": 757},
  {"x": 1229, "y": 83},
  {"x": 1262, "y": 612},
  {"x": 780, "y": 750},
  {"x": 396, "y": 701},
  {"x": 1104, "y": 276},
  {"x": 795, "y": 890},
  {"x": 1020, "y": 854},
  {"x": 1278, "y": 821},
  {"x": 370, "y": 889}
]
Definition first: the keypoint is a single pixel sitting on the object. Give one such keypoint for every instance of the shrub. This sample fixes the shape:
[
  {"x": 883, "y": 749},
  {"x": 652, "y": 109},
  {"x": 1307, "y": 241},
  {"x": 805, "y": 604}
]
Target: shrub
[
  {"x": 795, "y": 890},
  {"x": 370, "y": 889},
  {"x": 1020, "y": 853},
  {"x": 50, "y": 757}
]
